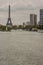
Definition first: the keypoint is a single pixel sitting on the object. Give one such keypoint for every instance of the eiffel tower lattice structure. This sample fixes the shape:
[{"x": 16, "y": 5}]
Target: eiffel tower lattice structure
[{"x": 9, "y": 22}]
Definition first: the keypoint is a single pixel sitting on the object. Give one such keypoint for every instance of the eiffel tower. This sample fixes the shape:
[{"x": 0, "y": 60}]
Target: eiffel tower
[{"x": 9, "y": 23}]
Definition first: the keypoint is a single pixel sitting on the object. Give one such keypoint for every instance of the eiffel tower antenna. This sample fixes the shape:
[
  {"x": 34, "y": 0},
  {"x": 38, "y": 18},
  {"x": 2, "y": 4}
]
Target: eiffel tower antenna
[{"x": 9, "y": 11}]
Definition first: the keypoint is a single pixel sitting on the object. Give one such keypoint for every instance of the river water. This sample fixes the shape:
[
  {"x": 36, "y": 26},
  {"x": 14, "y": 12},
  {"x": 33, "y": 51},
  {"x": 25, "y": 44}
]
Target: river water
[{"x": 21, "y": 48}]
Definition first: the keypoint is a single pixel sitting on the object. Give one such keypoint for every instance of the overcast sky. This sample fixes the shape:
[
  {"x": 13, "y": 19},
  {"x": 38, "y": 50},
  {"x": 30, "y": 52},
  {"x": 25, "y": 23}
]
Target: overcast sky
[{"x": 20, "y": 10}]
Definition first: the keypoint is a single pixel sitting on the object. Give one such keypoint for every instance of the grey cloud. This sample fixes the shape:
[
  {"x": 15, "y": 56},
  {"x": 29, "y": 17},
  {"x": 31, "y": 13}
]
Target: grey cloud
[{"x": 21, "y": 4}]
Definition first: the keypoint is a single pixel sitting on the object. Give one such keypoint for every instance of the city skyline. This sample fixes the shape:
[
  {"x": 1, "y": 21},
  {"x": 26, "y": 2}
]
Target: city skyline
[{"x": 20, "y": 10}]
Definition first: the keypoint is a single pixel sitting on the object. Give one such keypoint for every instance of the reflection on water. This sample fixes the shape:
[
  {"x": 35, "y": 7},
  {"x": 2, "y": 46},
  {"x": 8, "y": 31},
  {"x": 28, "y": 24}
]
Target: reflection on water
[{"x": 21, "y": 48}]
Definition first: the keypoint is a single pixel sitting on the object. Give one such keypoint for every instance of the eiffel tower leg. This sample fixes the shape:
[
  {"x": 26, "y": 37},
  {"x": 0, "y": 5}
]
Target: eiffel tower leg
[{"x": 9, "y": 22}]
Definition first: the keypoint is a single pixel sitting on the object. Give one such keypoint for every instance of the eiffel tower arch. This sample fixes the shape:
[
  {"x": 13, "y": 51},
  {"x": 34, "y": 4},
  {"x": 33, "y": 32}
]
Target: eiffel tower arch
[{"x": 9, "y": 22}]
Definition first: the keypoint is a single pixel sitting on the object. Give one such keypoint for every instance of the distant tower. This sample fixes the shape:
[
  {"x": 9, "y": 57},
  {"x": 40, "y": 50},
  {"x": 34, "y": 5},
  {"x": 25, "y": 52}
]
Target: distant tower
[
  {"x": 33, "y": 19},
  {"x": 41, "y": 17},
  {"x": 9, "y": 23}
]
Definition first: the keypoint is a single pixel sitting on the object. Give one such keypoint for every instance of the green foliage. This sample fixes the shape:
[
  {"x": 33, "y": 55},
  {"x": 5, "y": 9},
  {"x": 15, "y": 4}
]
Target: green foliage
[
  {"x": 40, "y": 27},
  {"x": 20, "y": 27},
  {"x": 14, "y": 27},
  {"x": 24, "y": 27}
]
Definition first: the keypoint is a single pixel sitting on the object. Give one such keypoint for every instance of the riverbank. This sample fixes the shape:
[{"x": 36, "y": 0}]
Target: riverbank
[{"x": 15, "y": 27}]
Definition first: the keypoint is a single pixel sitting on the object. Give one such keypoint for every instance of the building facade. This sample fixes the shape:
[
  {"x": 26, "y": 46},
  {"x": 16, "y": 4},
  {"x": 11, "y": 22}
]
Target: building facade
[
  {"x": 41, "y": 16},
  {"x": 33, "y": 19}
]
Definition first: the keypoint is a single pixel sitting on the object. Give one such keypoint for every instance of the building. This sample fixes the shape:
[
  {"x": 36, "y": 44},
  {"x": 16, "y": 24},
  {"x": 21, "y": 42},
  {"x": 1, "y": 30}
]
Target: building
[
  {"x": 38, "y": 22},
  {"x": 41, "y": 16},
  {"x": 33, "y": 19},
  {"x": 27, "y": 23}
]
